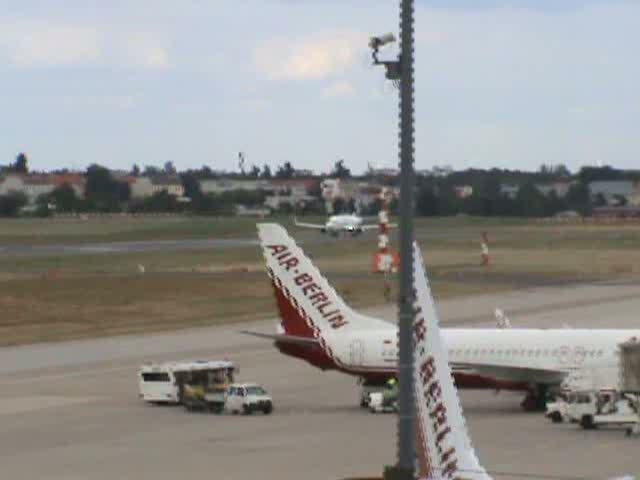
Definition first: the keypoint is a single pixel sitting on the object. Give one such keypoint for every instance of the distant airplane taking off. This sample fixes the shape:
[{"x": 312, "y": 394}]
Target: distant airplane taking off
[{"x": 336, "y": 224}]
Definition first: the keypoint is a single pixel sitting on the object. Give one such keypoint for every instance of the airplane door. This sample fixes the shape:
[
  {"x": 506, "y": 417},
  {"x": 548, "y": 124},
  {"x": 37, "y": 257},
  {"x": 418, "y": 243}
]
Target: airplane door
[
  {"x": 579, "y": 355},
  {"x": 356, "y": 352}
]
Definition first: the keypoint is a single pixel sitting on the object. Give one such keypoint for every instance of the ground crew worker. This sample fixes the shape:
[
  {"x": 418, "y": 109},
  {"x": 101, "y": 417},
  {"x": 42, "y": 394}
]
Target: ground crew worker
[{"x": 390, "y": 393}]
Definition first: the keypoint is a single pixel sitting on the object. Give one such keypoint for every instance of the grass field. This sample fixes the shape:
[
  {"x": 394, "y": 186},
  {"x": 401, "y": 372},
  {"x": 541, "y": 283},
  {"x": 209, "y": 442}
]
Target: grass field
[
  {"x": 48, "y": 298},
  {"x": 116, "y": 228}
]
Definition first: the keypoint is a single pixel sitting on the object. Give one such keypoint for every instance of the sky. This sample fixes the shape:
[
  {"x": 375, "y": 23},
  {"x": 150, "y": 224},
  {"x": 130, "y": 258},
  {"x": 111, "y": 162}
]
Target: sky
[{"x": 506, "y": 84}]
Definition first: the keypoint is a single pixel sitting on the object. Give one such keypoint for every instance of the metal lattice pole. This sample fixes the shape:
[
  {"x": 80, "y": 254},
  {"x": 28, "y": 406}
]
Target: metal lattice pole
[
  {"x": 406, "y": 416},
  {"x": 401, "y": 72}
]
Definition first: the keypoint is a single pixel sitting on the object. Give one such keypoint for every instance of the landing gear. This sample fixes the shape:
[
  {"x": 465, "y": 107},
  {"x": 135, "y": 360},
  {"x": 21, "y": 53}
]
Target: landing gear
[{"x": 536, "y": 399}]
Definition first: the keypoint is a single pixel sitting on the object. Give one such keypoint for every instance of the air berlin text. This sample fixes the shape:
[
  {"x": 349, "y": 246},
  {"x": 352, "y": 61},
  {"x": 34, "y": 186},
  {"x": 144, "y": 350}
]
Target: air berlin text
[
  {"x": 309, "y": 288},
  {"x": 432, "y": 398}
]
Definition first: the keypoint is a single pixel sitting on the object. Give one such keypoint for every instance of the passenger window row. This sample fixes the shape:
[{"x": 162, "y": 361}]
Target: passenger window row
[{"x": 520, "y": 352}]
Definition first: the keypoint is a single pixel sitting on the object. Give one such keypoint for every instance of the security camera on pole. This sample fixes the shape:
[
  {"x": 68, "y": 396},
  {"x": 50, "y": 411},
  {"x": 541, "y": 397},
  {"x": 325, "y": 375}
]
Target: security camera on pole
[{"x": 401, "y": 73}]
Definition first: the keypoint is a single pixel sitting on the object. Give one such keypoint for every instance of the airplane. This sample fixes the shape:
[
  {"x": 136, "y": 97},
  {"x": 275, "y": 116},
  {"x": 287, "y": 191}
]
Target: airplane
[
  {"x": 316, "y": 325},
  {"x": 444, "y": 449},
  {"x": 336, "y": 224}
]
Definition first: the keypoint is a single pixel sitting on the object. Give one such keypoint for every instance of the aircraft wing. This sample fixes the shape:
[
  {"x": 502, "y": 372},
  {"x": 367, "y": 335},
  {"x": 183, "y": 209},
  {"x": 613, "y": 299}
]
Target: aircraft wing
[
  {"x": 511, "y": 373},
  {"x": 372, "y": 226},
  {"x": 308, "y": 225},
  {"x": 283, "y": 338}
]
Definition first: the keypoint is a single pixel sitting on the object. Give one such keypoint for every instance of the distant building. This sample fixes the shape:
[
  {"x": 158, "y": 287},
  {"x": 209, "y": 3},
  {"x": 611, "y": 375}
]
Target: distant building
[
  {"x": 616, "y": 212},
  {"x": 560, "y": 188},
  {"x": 385, "y": 172},
  {"x": 369, "y": 194},
  {"x": 292, "y": 186},
  {"x": 613, "y": 191},
  {"x": 291, "y": 192},
  {"x": 567, "y": 214},
  {"x": 634, "y": 198},
  {"x": 168, "y": 183},
  {"x": 463, "y": 191},
  {"x": 303, "y": 173},
  {"x": 221, "y": 185},
  {"x": 141, "y": 187},
  {"x": 275, "y": 202},
  {"x": 443, "y": 171},
  {"x": 244, "y": 211},
  {"x": 35, "y": 185},
  {"x": 509, "y": 190}
]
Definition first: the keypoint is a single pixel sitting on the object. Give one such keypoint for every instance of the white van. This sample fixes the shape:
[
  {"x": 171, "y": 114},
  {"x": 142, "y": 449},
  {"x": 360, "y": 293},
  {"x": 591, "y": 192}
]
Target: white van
[{"x": 164, "y": 382}]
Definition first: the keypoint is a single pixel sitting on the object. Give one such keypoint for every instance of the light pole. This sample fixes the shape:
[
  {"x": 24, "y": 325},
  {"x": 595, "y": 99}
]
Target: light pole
[{"x": 401, "y": 71}]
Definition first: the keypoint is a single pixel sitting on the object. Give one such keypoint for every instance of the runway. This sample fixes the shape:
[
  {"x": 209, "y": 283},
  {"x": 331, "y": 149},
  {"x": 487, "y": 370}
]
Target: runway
[
  {"x": 39, "y": 250},
  {"x": 70, "y": 410},
  {"x": 126, "y": 247}
]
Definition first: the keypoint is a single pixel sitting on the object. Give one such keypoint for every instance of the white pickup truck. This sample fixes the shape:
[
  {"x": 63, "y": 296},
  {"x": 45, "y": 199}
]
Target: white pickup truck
[
  {"x": 248, "y": 398},
  {"x": 593, "y": 408}
]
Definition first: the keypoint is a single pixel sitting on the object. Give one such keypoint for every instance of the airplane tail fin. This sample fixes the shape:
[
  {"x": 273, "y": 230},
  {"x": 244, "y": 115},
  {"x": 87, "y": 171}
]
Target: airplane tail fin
[
  {"x": 308, "y": 305},
  {"x": 443, "y": 445}
]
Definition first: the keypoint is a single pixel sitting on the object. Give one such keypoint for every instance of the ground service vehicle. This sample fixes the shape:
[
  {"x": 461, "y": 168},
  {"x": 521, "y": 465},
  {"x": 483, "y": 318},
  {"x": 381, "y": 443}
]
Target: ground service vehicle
[
  {"x": 165, "y": 382},
  {"x": 558, "y": 408},
  {"x": 386, "y": 400},
  {"x": 377, "y": 404},
  {"x": 243, "y": 398},
  {"x": 607, "y": 407},
  {"x": 367, "y": 387},
  {"x": 205, "y": 397},
  {"x": 248, "y": 398},
  {"x": 616, "y": 405}
]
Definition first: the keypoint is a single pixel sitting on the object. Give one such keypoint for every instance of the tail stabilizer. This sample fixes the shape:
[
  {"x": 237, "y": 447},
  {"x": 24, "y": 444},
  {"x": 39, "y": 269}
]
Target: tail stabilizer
[
  {"x": 443, "y": 444},
  {"x": 282, "y": 338},
  {"x": 308, "y": 305}
]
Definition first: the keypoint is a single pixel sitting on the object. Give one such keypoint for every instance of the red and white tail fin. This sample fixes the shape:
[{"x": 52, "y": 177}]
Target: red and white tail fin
[
  {"x": 308, "y": 305},
  {"x": 443, "y": 444}
]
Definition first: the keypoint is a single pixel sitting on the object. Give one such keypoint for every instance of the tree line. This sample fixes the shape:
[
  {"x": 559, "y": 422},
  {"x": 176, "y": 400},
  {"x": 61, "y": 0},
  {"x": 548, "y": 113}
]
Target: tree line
[
  {"x": 433, "y": 195},
  {"x": 438, "y": 198}
]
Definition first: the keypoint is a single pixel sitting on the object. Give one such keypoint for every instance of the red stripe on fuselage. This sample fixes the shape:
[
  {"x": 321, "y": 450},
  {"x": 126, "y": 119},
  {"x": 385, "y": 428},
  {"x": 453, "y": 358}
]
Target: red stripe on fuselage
[{"x": 313, "y": 354}]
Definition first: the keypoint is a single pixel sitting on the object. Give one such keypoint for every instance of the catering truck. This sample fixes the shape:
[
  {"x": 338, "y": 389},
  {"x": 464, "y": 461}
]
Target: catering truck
[{"x": 616, "y": 404}]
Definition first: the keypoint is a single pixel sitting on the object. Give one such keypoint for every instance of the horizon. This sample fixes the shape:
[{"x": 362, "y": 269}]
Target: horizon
[{"x": 554, "y": 171}]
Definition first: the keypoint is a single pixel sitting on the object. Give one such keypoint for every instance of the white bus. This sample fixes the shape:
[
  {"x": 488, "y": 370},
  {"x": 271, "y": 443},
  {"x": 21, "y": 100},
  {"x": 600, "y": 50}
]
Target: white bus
[{"x": 164, "y": 382}]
